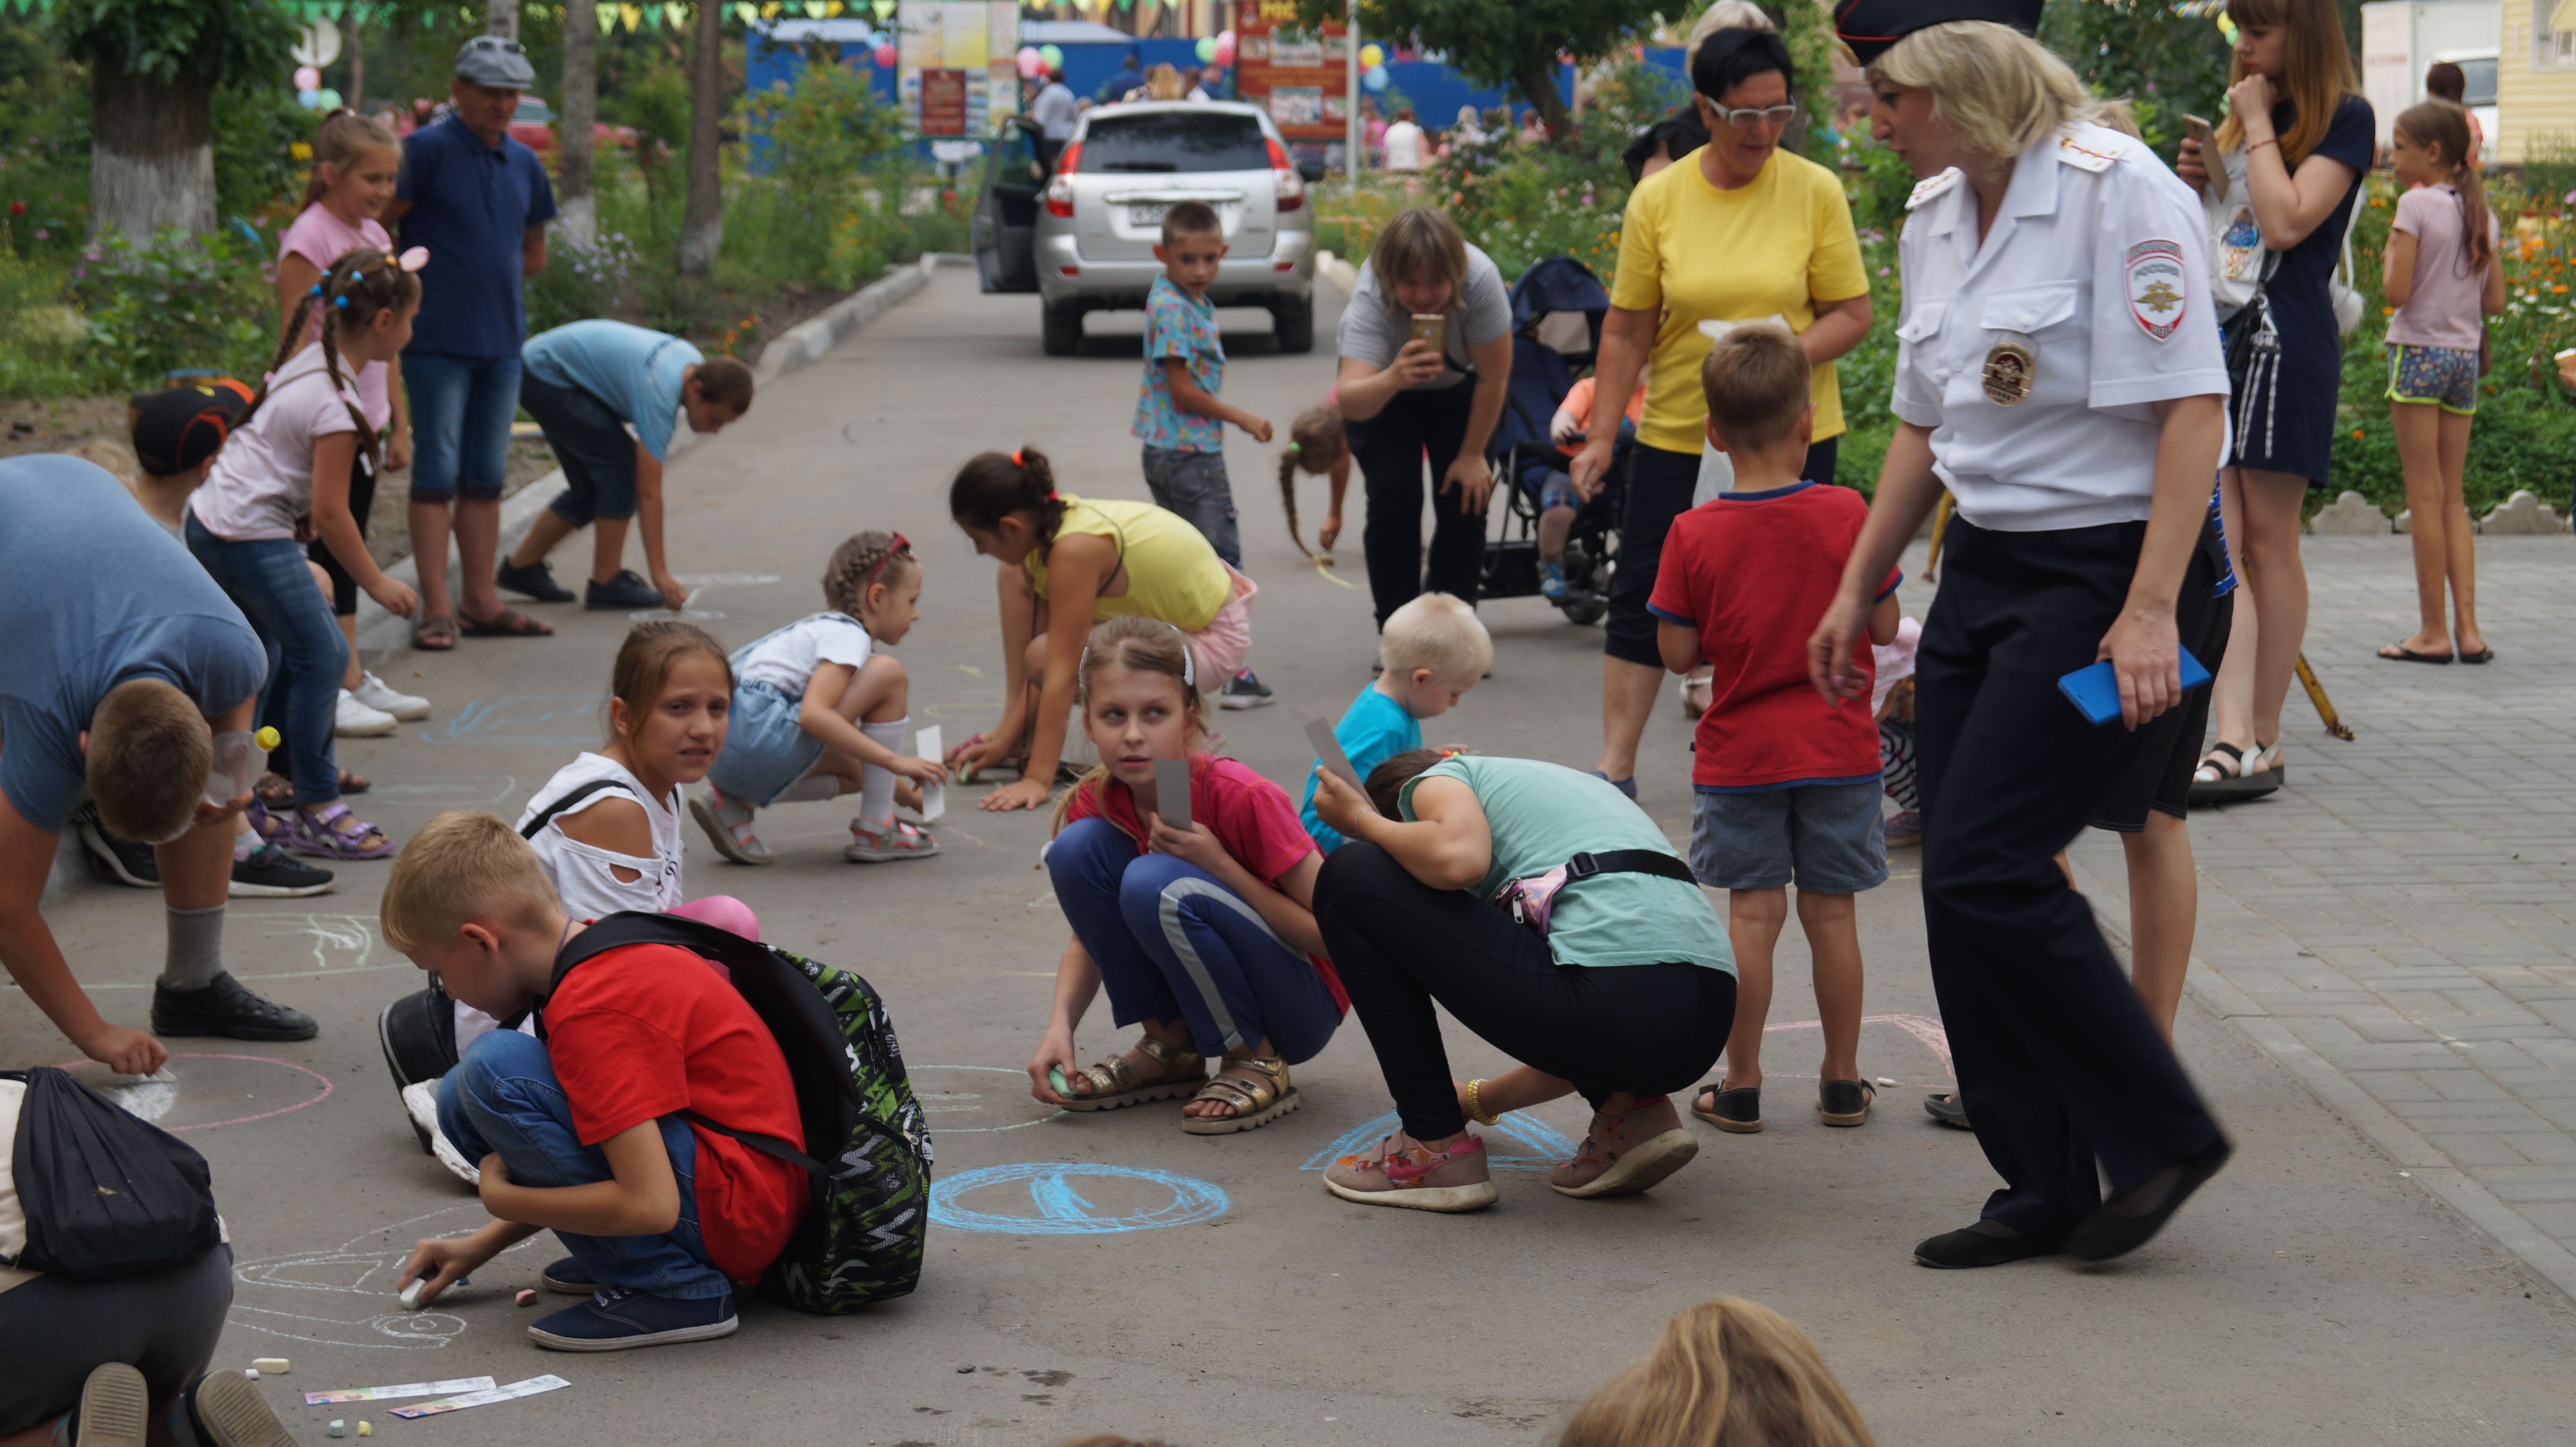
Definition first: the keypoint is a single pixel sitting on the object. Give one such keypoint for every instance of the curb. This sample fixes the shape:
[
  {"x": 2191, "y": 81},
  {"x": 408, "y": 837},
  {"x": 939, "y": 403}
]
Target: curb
[
  {"x": 1337, "y": 271},
  {"x": 381, "y": 635}
]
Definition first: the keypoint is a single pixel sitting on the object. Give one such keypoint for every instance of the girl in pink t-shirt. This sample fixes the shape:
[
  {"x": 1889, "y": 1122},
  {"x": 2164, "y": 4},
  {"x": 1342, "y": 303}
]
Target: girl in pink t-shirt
[
  {"x": 355, "y": 162},
  {"x": 1204, "y": 934},
  {"x": 2440, "y": 272}
]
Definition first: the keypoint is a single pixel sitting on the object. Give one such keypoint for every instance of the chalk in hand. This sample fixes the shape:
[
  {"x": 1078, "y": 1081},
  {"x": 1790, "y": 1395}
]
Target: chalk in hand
[{"x": 411, "y": 1296}]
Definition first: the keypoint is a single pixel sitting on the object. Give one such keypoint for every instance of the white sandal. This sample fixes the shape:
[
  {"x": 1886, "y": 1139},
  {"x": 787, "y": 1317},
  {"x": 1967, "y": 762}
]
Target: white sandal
[{"x": 2228, "y": 773}]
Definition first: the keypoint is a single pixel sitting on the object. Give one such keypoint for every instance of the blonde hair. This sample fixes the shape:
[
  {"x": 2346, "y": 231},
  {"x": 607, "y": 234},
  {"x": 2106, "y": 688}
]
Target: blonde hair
[
  {"x": 149, "y": 754},
  {"x": 463, "y": 865},
  {"x": 1419, "y": 244},
  {"x": 862, "y": 561},
  {"x": 2002, "y": 91},
  {"x": 1757, "y": 380},
  {"x": 2316, "y": 71},
  {"x": 1163, "y": 82},
  {"x": 1724, "y": 15},
  {"x": 1141, "y": 645},
  {"x": 343, "y": 138},
  {"x": 1726, "y": 1373},
  {"x": 1437, "y": 631}
]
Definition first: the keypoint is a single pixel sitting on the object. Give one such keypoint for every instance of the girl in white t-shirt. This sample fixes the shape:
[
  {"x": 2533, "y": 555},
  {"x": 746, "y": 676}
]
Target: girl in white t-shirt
[
  {"x": 818, "y": 712},
  {"x": 282, "y": 479}
]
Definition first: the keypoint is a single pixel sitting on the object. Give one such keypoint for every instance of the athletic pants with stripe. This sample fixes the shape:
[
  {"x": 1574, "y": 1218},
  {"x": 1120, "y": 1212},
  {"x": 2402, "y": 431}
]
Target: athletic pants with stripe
[{"x": 1174, "y": 944}]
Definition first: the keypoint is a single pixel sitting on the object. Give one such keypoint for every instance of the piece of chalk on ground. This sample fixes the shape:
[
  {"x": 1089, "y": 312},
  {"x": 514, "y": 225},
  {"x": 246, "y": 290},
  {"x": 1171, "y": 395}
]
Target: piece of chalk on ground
[
  {"x": 364, "y": 1430},
  {"x": 270, "y": 1365},
  {"x": 338, "y": 1428},
  {"x": 527, "y": 1298},
  {"x": 411, "y": 1294},
  {"x": 250, "y": 1374},
  {"x": 1887, "y": 1080}
]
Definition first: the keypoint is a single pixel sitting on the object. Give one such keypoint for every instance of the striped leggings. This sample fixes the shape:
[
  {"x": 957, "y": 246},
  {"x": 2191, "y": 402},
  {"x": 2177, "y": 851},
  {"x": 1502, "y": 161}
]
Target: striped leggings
[{"x": 1896, "y": 761}]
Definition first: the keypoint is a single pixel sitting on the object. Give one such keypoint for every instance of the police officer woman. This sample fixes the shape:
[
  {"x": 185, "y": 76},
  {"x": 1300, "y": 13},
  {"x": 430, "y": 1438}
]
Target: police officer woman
[{"x": 2059, "y": 371}]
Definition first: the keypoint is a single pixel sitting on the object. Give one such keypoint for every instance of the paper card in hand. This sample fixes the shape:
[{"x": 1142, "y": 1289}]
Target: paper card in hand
[
  {"x": 1172, "y": 791},
  {"x": 934, "y": 795},
  {"x": 1328, "y": 749}
]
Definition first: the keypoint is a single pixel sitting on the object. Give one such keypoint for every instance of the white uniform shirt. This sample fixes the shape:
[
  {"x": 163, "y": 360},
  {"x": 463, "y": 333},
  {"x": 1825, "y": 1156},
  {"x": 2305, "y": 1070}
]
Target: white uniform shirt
[{"x": 2096, "y": 269}]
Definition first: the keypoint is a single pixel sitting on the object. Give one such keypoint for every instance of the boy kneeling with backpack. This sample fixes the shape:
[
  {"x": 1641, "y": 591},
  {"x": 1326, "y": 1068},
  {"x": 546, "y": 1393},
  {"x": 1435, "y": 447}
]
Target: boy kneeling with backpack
[{"x": 655, "y": 1123}]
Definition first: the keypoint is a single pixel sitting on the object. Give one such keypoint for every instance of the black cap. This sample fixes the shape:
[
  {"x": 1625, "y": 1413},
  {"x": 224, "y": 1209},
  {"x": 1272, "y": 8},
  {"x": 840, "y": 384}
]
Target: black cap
[
  {"x": 1870, "y": 26},
  {"x": 176, "y": 429}
]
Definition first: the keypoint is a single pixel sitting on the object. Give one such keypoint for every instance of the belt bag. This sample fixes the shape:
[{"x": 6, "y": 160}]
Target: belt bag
[{"x": 1529, "y": 898}]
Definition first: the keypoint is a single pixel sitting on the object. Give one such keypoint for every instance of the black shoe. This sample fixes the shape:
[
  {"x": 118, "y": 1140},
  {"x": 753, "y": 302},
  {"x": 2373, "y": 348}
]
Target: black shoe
[
  {"x": 536, "y": 580},
  {"x": 271, "y": 873},
  {"x": 1944, "y": 1106},
  {"x": 226, "y": 1008},
  {"x": 1967, "y": 1247},
  {"x": 1243, "y": 691},
  {"x": 565, "y": 1276},
  {"x": 627, "y": 590},
  {"x": 125, "y": 861},
  {"x": 1737, "y": 1111},
  {"x": 1845, "y": 1102},
  {"x": 2102, "y": 1235}
]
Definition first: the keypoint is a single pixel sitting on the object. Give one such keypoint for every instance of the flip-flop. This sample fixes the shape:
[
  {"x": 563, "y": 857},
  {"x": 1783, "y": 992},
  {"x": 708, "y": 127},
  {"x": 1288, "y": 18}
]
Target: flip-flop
[
  {"x": 2400, "y": 653},
  {"x": 435, "y": 633},
  {"x": 2483, "y": 655},
  {"x": 508, "y": 623}
]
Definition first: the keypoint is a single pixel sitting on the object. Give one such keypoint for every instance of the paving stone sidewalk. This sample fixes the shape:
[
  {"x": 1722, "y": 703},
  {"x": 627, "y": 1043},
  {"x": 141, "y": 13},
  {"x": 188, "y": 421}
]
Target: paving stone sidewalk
[{"x": 2397, "y": 925}]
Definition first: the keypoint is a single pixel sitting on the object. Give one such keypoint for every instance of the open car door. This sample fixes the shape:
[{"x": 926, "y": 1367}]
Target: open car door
[{"x": 1006, "y": 215}]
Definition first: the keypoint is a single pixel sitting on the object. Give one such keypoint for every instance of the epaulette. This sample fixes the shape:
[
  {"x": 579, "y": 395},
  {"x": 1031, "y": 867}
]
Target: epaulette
[{"x": 1932, "y": 187}]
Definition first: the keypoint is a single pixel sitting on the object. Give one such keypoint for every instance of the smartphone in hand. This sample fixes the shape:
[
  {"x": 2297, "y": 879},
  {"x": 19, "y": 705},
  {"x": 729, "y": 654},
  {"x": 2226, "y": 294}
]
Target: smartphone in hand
[
  {"x": 2199, "y": 130},
  {"x": 1432, "y": 331},
  {"x": 2095, "y": 690}
]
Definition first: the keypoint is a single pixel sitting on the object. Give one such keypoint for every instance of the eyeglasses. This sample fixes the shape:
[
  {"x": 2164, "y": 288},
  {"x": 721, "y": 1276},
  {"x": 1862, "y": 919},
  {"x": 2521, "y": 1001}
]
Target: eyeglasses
[{"x": 1746, "y": 119}]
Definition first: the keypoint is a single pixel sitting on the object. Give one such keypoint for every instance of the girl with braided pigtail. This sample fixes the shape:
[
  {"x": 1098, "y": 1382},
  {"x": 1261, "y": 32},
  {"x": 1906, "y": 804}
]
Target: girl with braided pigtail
[
  {"x": 282, "y": 480},
  {"x": 818, "y": 712}
]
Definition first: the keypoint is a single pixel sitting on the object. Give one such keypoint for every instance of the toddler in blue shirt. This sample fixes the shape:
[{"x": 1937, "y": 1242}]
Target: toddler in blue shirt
[{"x": 1434, "y": 649}]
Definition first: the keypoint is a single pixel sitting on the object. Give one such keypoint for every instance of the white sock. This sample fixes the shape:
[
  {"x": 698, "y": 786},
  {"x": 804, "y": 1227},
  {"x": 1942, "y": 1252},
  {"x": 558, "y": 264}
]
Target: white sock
[
  {"x": 810, "y": 788},
  {"x": 876, "y": 785}
]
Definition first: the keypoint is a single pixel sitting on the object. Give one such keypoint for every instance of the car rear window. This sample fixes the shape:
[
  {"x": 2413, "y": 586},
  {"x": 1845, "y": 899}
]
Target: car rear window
[{"x": 1174, "y": 141}]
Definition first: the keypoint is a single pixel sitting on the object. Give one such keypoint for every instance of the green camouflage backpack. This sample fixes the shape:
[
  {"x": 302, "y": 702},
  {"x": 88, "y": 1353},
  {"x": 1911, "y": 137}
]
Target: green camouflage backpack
[{"x": 867, "y": 1143}]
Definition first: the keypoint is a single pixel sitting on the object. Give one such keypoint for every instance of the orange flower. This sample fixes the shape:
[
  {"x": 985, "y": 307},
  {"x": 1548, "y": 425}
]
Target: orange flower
[{"x": 2356, "y": 432}]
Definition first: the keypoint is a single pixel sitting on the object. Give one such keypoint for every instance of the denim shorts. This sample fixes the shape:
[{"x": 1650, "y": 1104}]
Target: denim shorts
[
  {"x": 461, "y": 409},
  {"x": 1194, "y": 485},
  {"x": 1825, "y": 835},
  {"x": 590, "y": 445},
  {"x": 2445, "y": 376},
  {"x": 765, "y": 750}
]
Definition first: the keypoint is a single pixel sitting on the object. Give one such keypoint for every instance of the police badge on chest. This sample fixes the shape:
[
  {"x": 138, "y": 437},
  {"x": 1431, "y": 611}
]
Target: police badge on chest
[{"x": 2010, "y": 369}]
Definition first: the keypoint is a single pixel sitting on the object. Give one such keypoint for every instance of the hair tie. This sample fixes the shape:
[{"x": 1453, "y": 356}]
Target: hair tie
[
  {"x": 900, "y": 545},
  {"x": 414, "y": 258},
  {"x": 1017, "y": 462},
  {"x": 1292, "y": 449},
  {"x": 341, "y": 302},
  {"x": 1189, "y": 660},
  {"x": 317, "y": 288}
]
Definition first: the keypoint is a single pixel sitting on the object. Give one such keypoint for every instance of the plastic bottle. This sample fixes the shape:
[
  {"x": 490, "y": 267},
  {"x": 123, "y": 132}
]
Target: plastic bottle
[{"x": 236, "y": 760}]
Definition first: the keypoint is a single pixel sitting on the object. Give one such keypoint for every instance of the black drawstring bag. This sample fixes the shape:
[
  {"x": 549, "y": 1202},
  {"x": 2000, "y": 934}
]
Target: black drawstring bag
[{"x": 106, "y": 1193}]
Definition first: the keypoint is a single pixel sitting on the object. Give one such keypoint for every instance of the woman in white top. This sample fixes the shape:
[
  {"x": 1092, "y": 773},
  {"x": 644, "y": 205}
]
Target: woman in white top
[{"x": 2059, "y": 370}]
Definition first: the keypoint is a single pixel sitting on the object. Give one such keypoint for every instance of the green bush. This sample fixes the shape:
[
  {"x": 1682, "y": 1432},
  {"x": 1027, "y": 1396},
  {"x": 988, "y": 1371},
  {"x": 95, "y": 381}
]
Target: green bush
[{"x": 176, "y": 305}]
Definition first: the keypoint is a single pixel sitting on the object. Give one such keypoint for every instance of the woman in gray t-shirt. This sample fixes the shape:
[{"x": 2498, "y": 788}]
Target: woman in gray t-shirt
[{"x": 1402, "y": 398}]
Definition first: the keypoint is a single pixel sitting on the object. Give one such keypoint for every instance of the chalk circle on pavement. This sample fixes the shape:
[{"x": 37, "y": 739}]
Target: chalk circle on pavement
[
  {"x": 201, "y": 1091},
  {"x": 1071, "y": 1198}
]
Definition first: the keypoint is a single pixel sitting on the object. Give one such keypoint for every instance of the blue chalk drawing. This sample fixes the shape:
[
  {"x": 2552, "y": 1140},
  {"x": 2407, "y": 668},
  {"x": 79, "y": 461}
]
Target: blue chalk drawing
[
  {"x": 526, "y": 718},
  {"x": 1547, "y": 1146},
  {"x": 1054, "y": 1207}
]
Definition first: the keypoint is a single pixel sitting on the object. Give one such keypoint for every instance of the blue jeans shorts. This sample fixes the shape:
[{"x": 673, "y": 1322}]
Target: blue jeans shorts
[
  {"x": 590, "y": 444},
  {"x": 1825, "y": 836},
  {"x": 461, "y": 408},
  {"x": 2444, "y": 376},
  {"x": 765, "y": 749},
  {"x": 1194, "y": 485}
]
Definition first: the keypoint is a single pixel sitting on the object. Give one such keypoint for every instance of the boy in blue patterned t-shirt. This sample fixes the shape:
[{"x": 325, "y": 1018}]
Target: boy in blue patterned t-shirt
[{"x": 1178, "y": 415}]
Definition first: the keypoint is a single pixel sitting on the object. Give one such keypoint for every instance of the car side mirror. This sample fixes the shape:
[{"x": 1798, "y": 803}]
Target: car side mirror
[{"x": 1313, "y": 171}]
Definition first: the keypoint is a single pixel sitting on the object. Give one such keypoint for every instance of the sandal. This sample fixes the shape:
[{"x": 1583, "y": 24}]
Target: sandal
[
  {"x": 2228, "y": 773},
  {"x": 1259, "y": 1097},
  {"x": 508, "y": 623},
  {"x": 2400, "y": 653},
  {"x": 322, "y": 836},
  {"x": 1116, "y": 1083},
  {"x": 435, "y": 633},
  {"x": 278, "y": 791}
]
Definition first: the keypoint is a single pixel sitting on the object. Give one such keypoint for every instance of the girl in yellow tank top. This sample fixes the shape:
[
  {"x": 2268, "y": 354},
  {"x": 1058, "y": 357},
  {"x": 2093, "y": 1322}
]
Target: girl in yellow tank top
[{"x": 1067, "y": 563}]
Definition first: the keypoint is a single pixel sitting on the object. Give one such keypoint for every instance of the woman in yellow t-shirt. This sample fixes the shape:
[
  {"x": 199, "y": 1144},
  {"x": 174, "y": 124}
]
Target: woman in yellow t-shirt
[
  {"x": 1067, "y": 563},
  {"x": 1738, "y": 231}
]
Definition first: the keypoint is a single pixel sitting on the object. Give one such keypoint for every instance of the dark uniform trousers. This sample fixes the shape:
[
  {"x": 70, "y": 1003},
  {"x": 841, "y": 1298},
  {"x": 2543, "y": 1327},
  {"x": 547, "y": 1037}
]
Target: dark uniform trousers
[{"x": 2059, "y": 1064}]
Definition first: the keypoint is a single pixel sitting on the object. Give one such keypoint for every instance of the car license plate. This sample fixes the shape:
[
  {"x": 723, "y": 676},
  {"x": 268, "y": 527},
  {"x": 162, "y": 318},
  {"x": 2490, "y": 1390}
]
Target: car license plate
[{"x": 1146, "y": 215}]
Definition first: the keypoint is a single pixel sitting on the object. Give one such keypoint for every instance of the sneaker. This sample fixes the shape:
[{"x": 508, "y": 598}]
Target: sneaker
[
  {"x": 357, "y": 720},
  {"x": 1626, "y": 786},
  {"x": 269, "y": 872},
  {"x": 536, "y": 580},
  {"x": 115, "y": 1409},
  {"x": 728, "y": 826},
  {"x": 377, "y": 694},
  {"x": 1409, "y": 1176},
  {"x": 888, "y": 842},
  {"x": 1551, "y": 581},
  {"x": 1904, "y": 829},
  {"x": 627, "y": 590},
  {"x": 565, "y": 1277},
  {"x": 616, "y": 1319},
  {"x": 1244, "y": 691},
  {"x": 225, "y": 1008},
  {"x": 124, "y": 860},
  {"x": 226, "y": 1410},
  {"x": 1623, "y": 1155},
  {"x": 420, "y": 1102}
]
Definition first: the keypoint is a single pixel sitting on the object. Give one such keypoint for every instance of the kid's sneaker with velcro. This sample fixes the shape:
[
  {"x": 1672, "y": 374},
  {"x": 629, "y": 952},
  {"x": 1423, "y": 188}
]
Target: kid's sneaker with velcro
[
  {"x": 617, "y": 1319},
  {"x": 1401, "y": 1172}
]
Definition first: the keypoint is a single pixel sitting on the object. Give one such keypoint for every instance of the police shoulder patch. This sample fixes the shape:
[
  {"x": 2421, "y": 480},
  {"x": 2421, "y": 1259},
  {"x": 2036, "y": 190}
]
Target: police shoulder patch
[
  {"x": 2158, "y": 286},
  {"x": 1931, "y": 187}
]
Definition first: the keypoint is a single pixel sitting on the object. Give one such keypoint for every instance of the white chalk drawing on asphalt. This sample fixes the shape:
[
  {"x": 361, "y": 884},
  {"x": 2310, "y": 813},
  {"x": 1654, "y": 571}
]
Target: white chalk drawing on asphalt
[
  {"x": 526, "y": 718},
  {"x": 948, "y": 1105},
  {"x": 701, "y": 586},
  {"x": 221, "y": 1085},
  {"x": 365, "y": 1266},
  {"x": 338, "y": 944}
]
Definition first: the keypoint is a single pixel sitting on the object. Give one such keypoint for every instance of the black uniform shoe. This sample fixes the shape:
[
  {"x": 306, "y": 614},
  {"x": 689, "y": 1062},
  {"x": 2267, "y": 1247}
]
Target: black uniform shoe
[
  {"x": 271, "y": 873},
  {"x": 125, "y": 861},
  {"x": 1969, "y": 1247},
  {"x": 226, "y": 1008},
  {"x": 1944, "y": 1106},
  {"x": 2127, "y": 1222},
  {"x": 627, "y": 590},
  {"x": 536, "y": 580}
]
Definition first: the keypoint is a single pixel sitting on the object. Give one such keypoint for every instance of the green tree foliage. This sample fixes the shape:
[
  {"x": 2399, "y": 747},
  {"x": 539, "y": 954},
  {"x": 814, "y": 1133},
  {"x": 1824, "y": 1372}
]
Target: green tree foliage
[
  {"x": 1515, "y": 44},
  {"x": 2171, "y": 64},
  {"x": 216, "y": 40}
]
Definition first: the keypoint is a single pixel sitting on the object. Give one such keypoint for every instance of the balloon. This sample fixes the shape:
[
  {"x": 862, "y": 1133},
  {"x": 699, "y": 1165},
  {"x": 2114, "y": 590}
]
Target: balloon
[
  {"x": 1206, "y": 49},
  {"x": 1376, "y": 78},
  {"x": 885, "y": 57},
  {"x": 307, "y": 78},
  {"x": 327, "y": 100},
  {"x": 1030, "y": 62},
  {"x": 1224, "y": 48},
  {"x": 1372, "y": 55},
  {"x": 309, "y": 98},
  {"x": 1053, "y": 56}
]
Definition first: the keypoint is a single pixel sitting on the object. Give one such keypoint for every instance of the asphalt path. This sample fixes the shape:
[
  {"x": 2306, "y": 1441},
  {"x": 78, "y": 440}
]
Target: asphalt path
[{"x": 1110, "y": 1273}]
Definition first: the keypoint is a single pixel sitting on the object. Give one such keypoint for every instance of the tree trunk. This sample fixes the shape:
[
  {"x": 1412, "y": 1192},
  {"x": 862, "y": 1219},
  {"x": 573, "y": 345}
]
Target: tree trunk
[
  {"x": 702, "y": 217},
  {"x": 501, "y": 18},
  {"x": 576, "y": 129},
  {"x": 152, "y": 156},
  {"x": 1538, "y": 86},
  {"x": 357, "y": 49}
]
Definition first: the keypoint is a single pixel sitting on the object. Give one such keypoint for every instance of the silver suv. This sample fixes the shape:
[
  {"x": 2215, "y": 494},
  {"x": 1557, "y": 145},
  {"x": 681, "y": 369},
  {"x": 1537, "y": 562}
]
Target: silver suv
[{"x": 1079, "y": 228}]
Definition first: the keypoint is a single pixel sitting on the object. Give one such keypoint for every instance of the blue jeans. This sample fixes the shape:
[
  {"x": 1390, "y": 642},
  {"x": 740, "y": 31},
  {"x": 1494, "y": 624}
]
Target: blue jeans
[
  {"x": 1172, "y": 943},
  {"x": 503, "y": 1097},
  {"x": 461, "y": 408},
  {"x": 266, "y": 579}
]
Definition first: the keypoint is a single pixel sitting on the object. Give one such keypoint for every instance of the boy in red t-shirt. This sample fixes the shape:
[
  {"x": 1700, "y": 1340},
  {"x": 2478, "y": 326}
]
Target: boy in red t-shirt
[
  {"x": 1784, "y": 783},
  {"x": 582, "y": 1132}
]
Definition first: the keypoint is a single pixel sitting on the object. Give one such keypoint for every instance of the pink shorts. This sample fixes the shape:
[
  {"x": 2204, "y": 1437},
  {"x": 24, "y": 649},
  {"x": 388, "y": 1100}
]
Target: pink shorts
[{"x": 1226, "y": 641}]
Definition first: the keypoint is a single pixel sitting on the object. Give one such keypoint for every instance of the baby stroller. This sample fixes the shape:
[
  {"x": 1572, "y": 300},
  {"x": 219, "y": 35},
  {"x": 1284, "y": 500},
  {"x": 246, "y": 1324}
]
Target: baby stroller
[{"x": 1557, "y": 307}]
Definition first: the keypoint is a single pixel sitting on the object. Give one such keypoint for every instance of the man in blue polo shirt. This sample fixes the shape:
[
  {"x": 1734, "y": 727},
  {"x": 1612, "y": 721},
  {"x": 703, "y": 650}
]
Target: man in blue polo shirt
[{"x": 480, "y": 202}]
